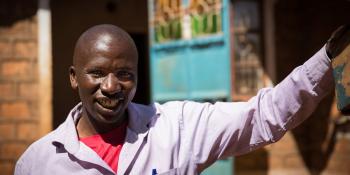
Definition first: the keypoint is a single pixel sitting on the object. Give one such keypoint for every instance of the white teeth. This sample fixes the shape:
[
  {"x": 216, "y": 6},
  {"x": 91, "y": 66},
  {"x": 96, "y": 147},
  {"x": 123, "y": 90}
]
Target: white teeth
[{"x": 107, "y": 103}]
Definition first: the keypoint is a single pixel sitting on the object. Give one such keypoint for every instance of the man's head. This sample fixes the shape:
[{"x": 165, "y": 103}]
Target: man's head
[{"x": 104, "y": 72}]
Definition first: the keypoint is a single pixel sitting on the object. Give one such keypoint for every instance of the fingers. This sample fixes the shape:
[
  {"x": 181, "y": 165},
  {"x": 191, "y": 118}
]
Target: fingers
[{"x": 338, "y": 41}]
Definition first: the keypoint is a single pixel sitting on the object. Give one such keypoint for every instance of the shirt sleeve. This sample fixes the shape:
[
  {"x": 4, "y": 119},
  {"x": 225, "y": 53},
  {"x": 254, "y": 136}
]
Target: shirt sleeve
[
  {"x": 224, "y": 129},
  {"x": 24, "y": 163}
]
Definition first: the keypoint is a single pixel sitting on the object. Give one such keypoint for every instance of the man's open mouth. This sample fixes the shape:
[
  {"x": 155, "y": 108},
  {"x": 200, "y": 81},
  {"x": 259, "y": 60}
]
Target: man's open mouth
[{"x": 108, "y": 103}]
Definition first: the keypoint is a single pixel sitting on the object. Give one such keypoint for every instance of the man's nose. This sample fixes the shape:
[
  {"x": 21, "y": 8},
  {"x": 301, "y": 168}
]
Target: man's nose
[{"x": 110, "y": 84}]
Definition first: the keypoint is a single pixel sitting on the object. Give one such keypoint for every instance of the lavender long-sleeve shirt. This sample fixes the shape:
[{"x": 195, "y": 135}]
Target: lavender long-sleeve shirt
[{"x": 184, "y": 137}]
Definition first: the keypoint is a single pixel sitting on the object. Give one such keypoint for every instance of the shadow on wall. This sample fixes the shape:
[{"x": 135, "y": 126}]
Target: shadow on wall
[
  {"x": 14, "y": 10},
  {"x": 255, "y": 162},
  {"x": 299, "y": 34},
  {"x": 315, "y": 138}
]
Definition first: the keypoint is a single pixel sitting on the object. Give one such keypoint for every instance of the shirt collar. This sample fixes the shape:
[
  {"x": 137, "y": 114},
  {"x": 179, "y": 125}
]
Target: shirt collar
[
  {"x": 140, "y": 117},
  {"x": 66, "y": 133}
]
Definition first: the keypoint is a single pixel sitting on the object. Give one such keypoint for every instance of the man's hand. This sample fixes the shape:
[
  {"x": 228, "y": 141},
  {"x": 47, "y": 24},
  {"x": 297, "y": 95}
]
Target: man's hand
[
  {"x": 338, "y": 41},
  {"x": 337, "y": 50}
]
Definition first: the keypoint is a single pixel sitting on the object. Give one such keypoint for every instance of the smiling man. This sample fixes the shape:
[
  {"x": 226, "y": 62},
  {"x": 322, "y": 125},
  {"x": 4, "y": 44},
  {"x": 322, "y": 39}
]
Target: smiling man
[
  {"x": 104, "y": 72},
  {"x": 108, "y": 134}
]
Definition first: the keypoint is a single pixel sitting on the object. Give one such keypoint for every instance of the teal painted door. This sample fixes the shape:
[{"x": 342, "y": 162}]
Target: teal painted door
[{"x": 190, "y": 55}]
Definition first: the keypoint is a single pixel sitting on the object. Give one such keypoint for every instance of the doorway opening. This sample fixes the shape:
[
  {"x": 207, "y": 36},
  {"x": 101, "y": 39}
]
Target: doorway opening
[{"x": 69, "y": 20}]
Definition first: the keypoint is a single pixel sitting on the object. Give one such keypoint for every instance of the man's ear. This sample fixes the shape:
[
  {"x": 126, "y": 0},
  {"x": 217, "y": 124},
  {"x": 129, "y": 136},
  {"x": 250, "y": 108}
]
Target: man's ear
[{"x": 73, "y": 78}]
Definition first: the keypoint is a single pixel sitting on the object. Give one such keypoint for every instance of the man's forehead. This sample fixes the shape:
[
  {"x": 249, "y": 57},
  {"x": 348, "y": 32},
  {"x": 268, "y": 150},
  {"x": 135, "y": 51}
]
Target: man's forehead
[
  {"x": 103, "y": 38},
  {"x": 100, "y": 38},
  {"x": 103, "y": 42},
  {"x": 95, "y": 31}
]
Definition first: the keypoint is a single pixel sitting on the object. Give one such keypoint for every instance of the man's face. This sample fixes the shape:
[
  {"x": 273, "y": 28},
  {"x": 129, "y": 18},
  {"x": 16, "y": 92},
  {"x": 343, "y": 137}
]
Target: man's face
[{"x": 105, "y": 75}]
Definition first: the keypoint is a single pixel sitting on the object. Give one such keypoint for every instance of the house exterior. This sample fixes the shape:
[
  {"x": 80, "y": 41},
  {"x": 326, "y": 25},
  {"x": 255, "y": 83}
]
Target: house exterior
[{"x": 36, "y": 44}]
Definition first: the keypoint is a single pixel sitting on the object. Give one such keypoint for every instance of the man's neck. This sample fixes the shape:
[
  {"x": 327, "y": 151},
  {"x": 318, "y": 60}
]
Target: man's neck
[{"x": 86, "y": 127}]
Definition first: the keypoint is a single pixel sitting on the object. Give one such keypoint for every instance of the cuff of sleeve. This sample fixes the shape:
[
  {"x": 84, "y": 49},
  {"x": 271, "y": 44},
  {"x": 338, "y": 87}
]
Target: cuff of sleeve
[
  {"x": 326, "y": 53},
  {"x": 319, "y": 70}
]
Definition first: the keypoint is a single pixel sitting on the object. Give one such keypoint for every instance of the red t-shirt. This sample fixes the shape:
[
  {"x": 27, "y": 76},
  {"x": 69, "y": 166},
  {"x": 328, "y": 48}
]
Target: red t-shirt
[{"x": 108, "y": 145}]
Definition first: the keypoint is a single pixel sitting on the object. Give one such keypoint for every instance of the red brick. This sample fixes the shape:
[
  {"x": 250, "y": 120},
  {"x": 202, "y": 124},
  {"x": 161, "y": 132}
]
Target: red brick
[
  {"x": 7, "y": 167},
  {"x": 343, "y": 146},
  {"x": 245, "y": 162},
  {"x": 254, "y": 161},
  {"x": 34, "y": 27},
  {"x": 285, "y": 146},
  {"x": 294, "y": 161},
  {"x": 28, "y": 90},
  {"x": 18, "y": 29},
  {"x": 7, "y": 131},
  {"x": 338, "y": 165},
  {"x": 25, "y": 49},
  {"x": 5, "y": 48},
  {"x": 276, "y": 162},
  {"x": 16, "y": 69},
  {"x": 252, "y": 172},
  {"x": 290, "y": 171},
  {"x": 12, "y": 150},
  {"x": 7, "y": 91},
  {"x": 15, "y": 110},
  {"x": 27, "y": 131}
]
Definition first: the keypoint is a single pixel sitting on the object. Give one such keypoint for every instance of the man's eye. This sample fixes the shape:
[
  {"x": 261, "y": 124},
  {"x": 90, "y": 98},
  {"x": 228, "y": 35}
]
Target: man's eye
[
  {"x": 96, "y": 73},
  {"x": 125, "y": 75}
]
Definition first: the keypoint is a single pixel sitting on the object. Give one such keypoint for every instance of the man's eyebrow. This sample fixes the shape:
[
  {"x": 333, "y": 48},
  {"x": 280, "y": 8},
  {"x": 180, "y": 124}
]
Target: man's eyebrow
[{"x": 125, "y": 67}]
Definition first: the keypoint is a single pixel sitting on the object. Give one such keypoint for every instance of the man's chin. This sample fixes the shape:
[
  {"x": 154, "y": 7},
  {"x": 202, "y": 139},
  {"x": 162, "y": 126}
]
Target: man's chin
[
  {"x": 108, "y": 119},
  {"x": 111, "y": 116}
]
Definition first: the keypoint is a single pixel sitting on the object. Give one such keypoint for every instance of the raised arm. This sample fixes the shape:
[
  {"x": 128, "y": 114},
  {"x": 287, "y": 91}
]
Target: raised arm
[{"x": 233, "y": 128}]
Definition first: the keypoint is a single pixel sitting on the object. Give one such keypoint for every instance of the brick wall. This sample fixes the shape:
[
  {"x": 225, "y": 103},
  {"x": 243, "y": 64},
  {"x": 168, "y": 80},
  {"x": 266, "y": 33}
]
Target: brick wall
[
  {"x": 318, "y": 146},
  {"x": 18, "y": 80},
  {"x": 302, "y": 27}
]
